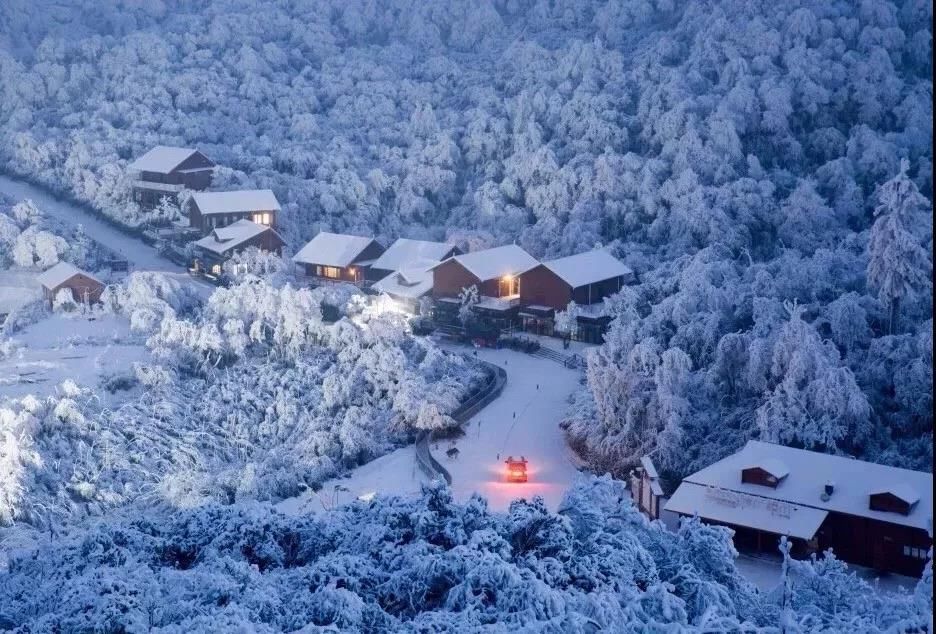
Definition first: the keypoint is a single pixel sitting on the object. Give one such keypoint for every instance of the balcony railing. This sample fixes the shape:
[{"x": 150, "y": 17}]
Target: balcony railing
[{"x": 159, "y": 187}]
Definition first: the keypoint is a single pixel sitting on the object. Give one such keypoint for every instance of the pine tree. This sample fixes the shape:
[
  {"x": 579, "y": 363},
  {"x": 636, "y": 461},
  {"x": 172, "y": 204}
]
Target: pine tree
[{"x": 899, "y": 266}]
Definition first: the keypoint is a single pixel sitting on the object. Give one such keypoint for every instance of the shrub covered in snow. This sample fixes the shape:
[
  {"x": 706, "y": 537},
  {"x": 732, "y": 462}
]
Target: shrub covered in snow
[{"x": 427, "y": 564}]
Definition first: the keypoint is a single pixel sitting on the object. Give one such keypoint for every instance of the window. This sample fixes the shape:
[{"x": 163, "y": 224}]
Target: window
[
  {"x": 331, "y": 272},
  {"x": 916, "y": 553},
  {"x": 509, "y": 285},
  {"x": 263, "y": 218}
]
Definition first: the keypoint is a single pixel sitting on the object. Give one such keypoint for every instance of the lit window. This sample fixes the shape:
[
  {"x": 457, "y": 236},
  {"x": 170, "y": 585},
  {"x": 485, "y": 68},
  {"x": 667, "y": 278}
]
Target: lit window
[
  {"x": 331, "y": 272},
  {"x": 264, "y": 218}
]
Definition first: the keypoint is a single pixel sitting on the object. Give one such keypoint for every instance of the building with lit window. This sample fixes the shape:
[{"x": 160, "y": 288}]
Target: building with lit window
[
  {"x": 211, "y": 210},
  {"x": 214, "y": 250},
  {"x": 496, "y": 273},
  {"x": 869, "y": 514},
  {"x": 339, "y": 257}
]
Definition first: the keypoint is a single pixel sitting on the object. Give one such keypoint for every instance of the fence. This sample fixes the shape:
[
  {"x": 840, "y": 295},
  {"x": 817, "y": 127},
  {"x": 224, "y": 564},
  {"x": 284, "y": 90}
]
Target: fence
[{"x": 491, "y": 389}]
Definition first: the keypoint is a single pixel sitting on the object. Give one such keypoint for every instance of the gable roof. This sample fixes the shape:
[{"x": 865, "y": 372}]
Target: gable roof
[
  {"x": 162, "y": 159},
  {"x": 900, "y": 490},
  {"x": 854, "y": 482},
  {"x": 489, "y": 264},
  {"x": 236, "y": 201},
  {"x": 60, "y": 273},
  {"x": 588, "y": 267},
  {"x": 406, "y": 253},
  {"x": 332, "y": 249},
  {"x": 224, "y": 239},
  {"x": 771, "y": 466},
  {"x": 410, "y": 283}
]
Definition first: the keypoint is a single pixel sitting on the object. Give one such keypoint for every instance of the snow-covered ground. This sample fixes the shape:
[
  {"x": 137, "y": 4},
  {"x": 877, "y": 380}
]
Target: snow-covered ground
[
  {"x": 139, "y": 255},
  {"x": 79, "y": 348},
  {"x": 18, "y": 287},
  {"x": 536, "y": 391}
]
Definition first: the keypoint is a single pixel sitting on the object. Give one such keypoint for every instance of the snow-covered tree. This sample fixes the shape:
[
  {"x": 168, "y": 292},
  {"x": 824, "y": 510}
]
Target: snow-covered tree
[{"x": 899, "y": 267}]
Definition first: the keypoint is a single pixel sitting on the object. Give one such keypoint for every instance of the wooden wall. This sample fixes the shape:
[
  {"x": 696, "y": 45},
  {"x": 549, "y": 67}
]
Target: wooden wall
[
  {"x": 83, "y": 289},
  {"x": 542, "y": 287},
  {"x": 450, "y": 277}
]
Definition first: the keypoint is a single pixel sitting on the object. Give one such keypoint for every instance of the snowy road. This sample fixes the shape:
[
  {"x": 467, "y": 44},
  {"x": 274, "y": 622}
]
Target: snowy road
[
  {"x": 536, "y": 391},
  {"x": 140, "y": 256}
]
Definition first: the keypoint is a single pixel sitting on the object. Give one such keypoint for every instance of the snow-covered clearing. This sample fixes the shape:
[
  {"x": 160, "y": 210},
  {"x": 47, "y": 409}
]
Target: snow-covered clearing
[
  {"x": 536, "y": 391},
  {"x": 17, "y": 288},
  {"x": 83, "y": 349},
  {"x": 139, "y": 255}
]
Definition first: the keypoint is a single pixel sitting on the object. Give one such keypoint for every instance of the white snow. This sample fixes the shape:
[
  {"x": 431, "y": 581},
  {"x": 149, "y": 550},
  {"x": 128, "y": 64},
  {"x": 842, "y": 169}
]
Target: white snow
[
  {"x": 332, "y": 249},
  {"x": 60, "y": 273},
  {"x": 489, "y": 264},
  {"x": 236, "y": 201},
  {"x": 743, "y": 509},
  {"x": 498, "y": 303},
  {"x": 18, "y": 288},
  {"x": 774, "y": 467},
  {"x": 406, "y": 253},
  {"x": 410, "y": 283},
  {"x": 536, "y": 392},
  {"x": 139, "y": 255},
  {"x": 589, "y": 267},
  {"x": 230, "y": 237},
  {"x": 162, "y": 159},
  {"x": 69, "y": 347},
  {"x": 855, "y": 481}
]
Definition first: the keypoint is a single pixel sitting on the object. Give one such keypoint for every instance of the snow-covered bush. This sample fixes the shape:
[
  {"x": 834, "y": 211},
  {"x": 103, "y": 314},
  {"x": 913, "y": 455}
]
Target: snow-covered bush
[{"x": 426, "y": 564}]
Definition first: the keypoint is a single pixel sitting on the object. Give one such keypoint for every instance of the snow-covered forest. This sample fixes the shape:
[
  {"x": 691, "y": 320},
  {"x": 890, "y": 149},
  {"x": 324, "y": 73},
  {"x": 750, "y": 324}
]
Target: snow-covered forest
[
  {"x": 744, "y": 158},
  {"x": 765, "y": 168},
  {"x": 429, "y": 565}
]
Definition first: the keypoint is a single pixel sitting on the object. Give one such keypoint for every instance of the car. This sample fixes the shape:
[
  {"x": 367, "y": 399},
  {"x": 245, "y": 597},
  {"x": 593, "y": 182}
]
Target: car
[{"x": 516, "y": 469}]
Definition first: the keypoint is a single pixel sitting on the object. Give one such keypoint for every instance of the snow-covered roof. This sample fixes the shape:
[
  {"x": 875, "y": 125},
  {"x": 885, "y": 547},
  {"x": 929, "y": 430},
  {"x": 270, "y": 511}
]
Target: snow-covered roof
[
  {"x": 489, "y": 264},
  {"x": 901, "y": 490},
  {"x": 406, "y": 253},
  {"x": 332, "y": 249},
  {"x": 587, "y": 268},
  {"x": 410, "y": 283},
  {"x": 649, "y": 468},
  {"x": 809, "y": 471},
  {"x": 232, "y": 236},
  {"x": 236, "y": 201},
  {"x": 162, "y": 159},
  {"x": 771, "y": 466},
  {"x": 743, "y": 509},
  {"x": 59, "y": 274}
]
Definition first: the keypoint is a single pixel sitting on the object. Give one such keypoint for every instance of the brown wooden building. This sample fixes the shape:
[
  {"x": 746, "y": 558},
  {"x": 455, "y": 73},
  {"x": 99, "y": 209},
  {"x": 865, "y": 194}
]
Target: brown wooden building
[
  {"x": 215, "y": 249},
  {"x": 585, "y": 278},
  {"x": 496, "y": 273},
  {"x": 84, "y": 287},
  {"x": 209, "y": 210},
  {"x": 869, "y": 514},
  {"x": 339, "y": 257},
  {"x": 165, "y": 171}
]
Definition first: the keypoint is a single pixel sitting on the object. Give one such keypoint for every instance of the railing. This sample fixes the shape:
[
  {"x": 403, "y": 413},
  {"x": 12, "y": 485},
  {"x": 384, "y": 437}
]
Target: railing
[
  {"x": 161, "y": 187},
  {"x": 491, "y": 389}
]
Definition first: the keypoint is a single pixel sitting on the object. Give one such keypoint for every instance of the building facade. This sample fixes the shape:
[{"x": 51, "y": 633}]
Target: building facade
[
  {"x": 211, "y": 210},
  {"x": 214, "y": 250},
  {"x": 84, "y": 287},
  {"x": 869, "y": 514},
  {"x": 338, "y": 257},
  {"x": 165, "y": 171}
]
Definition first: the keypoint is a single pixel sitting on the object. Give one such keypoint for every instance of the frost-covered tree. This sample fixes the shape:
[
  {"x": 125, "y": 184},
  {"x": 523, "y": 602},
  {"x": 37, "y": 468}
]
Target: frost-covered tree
[
  {"x": 566, "y": 321},
  {"x": 899, "y": 267}
]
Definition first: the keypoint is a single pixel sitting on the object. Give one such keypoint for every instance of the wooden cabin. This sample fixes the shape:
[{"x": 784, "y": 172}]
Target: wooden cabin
[
  {"x": 339, "y": 257},
  {"x": 165, "y": 171},
  {"x": 210, "y": 210},
  {"x": 870, "y": 514},
  {"x": 84, "y": 287},
  {"x": 215, "y": 249},
  {"x": 496, "y": 273},
  {"x": 585, "y": 278}
]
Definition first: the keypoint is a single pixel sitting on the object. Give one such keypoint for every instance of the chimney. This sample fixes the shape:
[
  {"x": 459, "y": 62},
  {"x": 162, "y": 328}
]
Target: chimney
[{"x": 829, "y": 488}]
